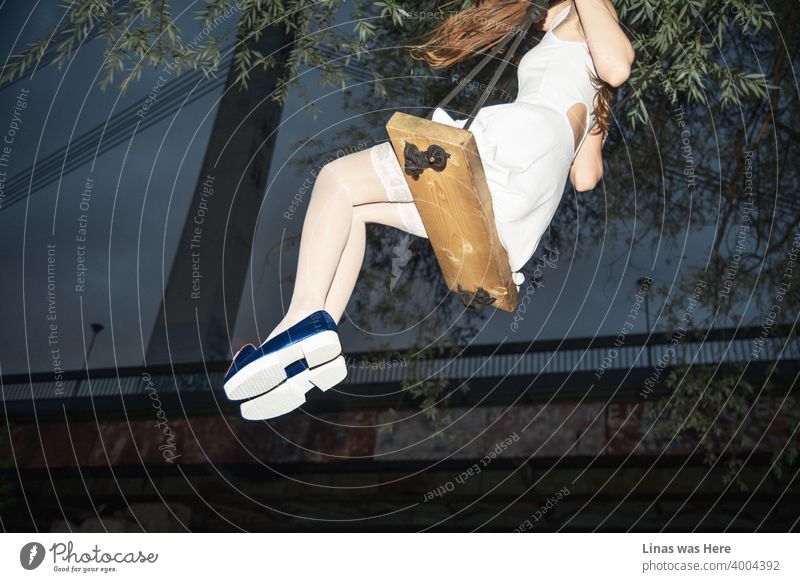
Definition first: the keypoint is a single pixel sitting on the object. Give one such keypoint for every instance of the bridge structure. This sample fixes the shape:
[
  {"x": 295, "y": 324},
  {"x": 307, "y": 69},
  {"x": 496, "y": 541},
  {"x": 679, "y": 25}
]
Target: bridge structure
[{"x": 517, "y": 423}]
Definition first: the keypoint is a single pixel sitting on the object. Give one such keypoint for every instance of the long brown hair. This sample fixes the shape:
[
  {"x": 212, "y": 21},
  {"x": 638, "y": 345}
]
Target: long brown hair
[{"x": 481, "y": 27}]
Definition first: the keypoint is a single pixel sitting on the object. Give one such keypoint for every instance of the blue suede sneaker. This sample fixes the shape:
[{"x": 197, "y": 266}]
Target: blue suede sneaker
[
  {"x": 291, "y": 394},
  {"x": 257, "y": 370}
]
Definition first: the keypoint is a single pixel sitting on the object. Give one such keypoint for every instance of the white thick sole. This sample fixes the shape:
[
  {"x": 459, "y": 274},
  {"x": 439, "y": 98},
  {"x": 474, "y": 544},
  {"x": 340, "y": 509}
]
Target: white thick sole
[
  {"x": 292, "y": 394},
  {"x": 268, "y": 371}
]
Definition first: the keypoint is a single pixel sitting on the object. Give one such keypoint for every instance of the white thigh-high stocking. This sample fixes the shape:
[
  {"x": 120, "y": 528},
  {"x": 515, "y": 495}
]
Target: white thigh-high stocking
[
  {"x": 388, "y": 213},
  {"x": 333, "y": 238}
]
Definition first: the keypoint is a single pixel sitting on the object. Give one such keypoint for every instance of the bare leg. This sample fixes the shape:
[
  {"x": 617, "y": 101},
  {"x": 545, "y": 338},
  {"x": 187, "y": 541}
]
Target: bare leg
[{"x": 341, "y": 186}]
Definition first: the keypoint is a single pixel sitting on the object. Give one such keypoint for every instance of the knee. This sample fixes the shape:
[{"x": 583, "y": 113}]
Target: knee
[
  {"x": 361, "y": 214},
  {"x": 331, "y": 181}
]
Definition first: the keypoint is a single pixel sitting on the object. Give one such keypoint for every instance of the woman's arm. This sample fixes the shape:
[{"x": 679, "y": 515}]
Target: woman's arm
[
  {"x": 611, "y": 50},
  {"x": 587, "y": 168}
]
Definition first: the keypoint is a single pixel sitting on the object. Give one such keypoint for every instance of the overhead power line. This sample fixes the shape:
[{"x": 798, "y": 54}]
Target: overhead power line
[{"x": 100, "y": 139}]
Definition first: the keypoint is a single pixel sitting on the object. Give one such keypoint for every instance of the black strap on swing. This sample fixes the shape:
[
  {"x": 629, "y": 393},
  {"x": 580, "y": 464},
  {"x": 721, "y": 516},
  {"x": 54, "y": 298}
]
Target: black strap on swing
[{"x": 534, "y": 13}]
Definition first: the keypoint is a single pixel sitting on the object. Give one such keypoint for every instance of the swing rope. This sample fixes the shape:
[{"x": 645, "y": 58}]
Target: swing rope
[{"x": 533, "y": 14}]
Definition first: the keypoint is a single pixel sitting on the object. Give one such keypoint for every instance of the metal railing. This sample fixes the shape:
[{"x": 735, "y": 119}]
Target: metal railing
[{"x": 519, "y": 361}]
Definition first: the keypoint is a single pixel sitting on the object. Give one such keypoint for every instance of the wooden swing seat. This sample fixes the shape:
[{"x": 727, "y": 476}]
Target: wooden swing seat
[
  {"x": 444, "y": 172},
  {"x": 443, "y": 169}
]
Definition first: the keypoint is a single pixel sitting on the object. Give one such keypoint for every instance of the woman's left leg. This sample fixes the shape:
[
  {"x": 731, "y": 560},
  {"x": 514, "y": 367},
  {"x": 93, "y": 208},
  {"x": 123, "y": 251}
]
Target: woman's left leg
[{"x": 396, "y": 214}]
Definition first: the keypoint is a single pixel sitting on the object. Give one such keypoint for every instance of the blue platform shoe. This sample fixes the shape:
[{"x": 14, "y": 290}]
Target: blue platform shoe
[
  {"x": 239, "y": 359},
  {"x": 291, "y": 394},
  {"x": 254, "y": 371}
]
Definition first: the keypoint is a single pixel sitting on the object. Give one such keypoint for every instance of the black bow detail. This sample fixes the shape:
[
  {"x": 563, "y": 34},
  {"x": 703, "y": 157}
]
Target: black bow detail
[{"x": 475, "y": 300}]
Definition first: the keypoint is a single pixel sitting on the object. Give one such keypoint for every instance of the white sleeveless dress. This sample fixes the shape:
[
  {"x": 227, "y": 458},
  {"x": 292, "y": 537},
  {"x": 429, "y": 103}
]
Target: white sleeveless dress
[{"x": 526, "y": 146}]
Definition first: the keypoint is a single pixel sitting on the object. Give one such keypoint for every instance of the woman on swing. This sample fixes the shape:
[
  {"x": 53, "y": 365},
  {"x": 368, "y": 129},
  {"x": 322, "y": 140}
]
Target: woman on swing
[{"x": 554, "y": 130}]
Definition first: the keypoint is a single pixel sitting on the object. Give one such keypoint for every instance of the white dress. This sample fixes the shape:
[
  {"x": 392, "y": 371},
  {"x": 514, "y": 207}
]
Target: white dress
[{"x": 526, "y": 146}]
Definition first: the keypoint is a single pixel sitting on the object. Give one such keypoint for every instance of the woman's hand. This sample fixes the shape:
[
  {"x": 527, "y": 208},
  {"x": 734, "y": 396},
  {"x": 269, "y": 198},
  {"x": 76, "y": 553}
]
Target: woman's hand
[{"x": 611, "y": 50}]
